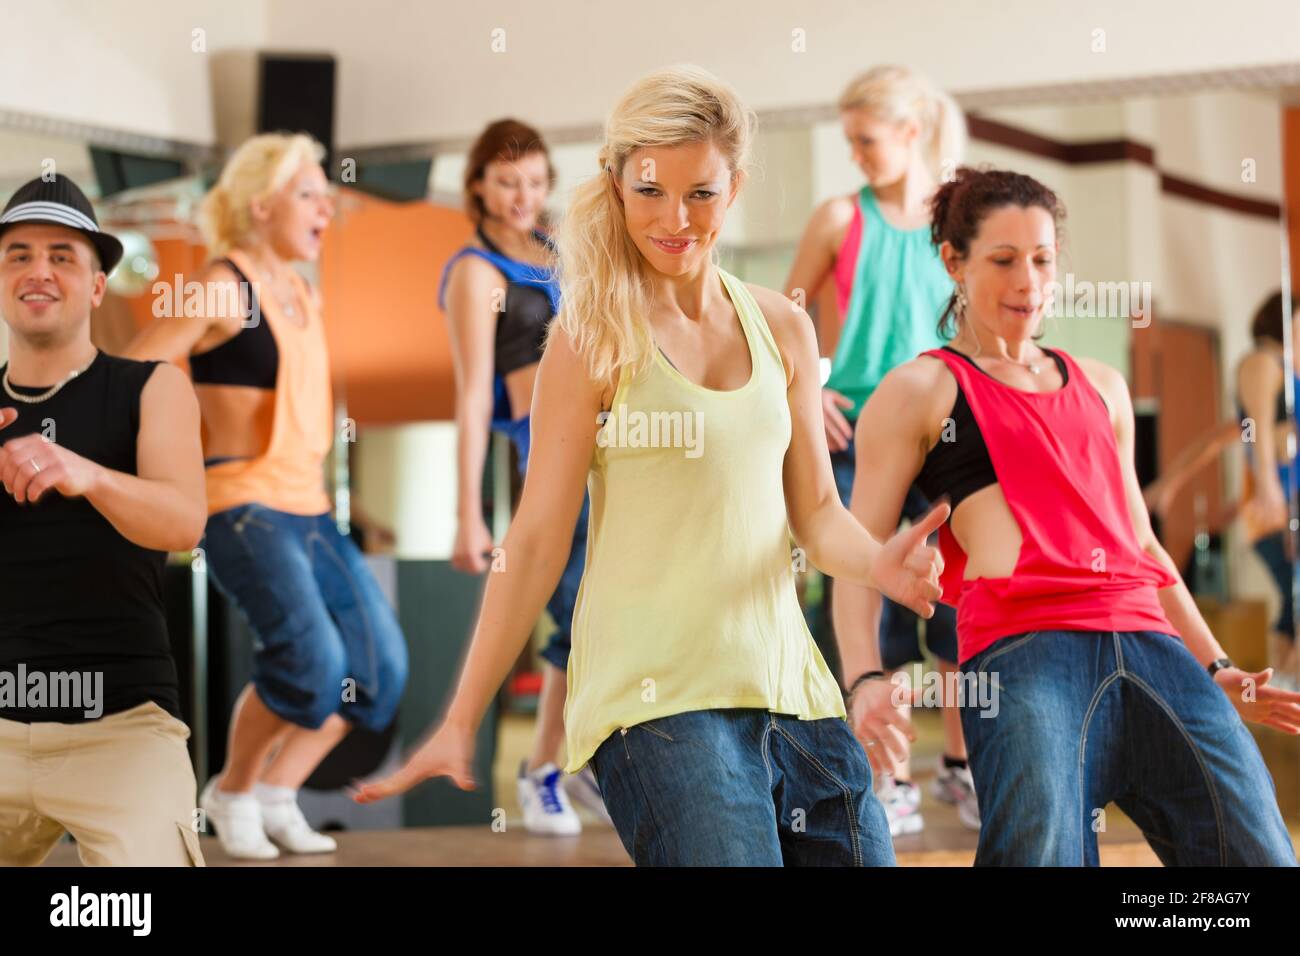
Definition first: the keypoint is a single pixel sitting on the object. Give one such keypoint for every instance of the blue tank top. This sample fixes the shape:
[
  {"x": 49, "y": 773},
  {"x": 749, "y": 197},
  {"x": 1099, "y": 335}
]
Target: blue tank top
[{"x": 532, "y": 299}]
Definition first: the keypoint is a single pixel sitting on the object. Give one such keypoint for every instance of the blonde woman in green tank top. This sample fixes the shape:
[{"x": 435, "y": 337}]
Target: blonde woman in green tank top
[{"x": 688, "y": 403}]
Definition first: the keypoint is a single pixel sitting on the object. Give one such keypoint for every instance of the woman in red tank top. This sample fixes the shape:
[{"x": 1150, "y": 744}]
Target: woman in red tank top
[{"x": 1087, "y": 674}]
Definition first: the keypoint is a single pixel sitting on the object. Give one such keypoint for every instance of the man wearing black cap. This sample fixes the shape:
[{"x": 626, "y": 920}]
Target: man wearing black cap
[{"x": 102, "y": 474}]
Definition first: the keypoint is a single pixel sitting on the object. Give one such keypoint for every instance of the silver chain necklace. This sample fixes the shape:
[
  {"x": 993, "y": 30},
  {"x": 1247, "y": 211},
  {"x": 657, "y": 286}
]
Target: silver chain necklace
[
  {"x": 1032, "y": 366},
  {"x": 288, "y": 307},
  {"x": 48, "y": 393}
]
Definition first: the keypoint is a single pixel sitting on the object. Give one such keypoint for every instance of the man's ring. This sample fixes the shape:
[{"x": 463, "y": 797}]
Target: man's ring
[{"x": 35, "y": 465}]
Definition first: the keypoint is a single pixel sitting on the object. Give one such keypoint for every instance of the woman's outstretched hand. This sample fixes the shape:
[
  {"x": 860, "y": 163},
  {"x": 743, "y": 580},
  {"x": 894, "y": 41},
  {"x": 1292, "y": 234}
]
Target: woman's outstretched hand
[
  {"x": 907, "y": 569},
  {"x": 448, "y": 753}
]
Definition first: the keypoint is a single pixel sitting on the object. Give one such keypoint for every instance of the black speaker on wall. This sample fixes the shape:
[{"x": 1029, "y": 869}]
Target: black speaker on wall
[{"x": 295, "y": 94}]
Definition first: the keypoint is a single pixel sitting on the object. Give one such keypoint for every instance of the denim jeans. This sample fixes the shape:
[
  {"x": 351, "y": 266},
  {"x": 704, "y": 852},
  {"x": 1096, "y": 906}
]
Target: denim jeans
[
  {"x": 316, "y": 613},
  {"x": 742, "y": 787},
  {"x": 1082, "y": 719}
]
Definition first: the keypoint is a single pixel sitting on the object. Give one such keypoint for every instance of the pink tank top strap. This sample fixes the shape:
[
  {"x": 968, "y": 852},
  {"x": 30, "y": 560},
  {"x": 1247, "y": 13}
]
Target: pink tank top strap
[{"x": 846, "y": 261}]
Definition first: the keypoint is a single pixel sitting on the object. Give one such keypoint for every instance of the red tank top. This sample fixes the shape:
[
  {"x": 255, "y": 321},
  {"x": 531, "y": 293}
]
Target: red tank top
[{"x": 1080, "y": 566}]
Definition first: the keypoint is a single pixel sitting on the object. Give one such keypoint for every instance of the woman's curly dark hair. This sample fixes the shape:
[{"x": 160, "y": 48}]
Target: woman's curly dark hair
[{"x": 959, "y": 206}]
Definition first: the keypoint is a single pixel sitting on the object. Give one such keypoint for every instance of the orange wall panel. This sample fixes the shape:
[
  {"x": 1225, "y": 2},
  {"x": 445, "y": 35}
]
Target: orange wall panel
[
  {"x": 379, "y": 272},
  {"x": 388, "y": 340}
]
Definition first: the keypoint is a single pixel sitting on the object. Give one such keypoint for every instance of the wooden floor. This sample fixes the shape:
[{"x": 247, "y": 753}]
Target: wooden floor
[
  {"x": 597, "y": 846},
  {"x": 943, "y": 842}
]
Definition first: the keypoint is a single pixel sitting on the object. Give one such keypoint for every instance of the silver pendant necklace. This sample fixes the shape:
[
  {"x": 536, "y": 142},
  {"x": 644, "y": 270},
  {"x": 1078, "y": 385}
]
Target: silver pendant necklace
[
  {"x": 286, "y": 306},
  {"x": 48, "y": 393},
  {"x": 1033, "y": 366}
]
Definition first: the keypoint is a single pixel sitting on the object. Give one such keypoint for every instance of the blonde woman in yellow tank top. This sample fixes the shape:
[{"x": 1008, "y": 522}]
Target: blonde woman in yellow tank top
[{"x": 688, "y": 402}]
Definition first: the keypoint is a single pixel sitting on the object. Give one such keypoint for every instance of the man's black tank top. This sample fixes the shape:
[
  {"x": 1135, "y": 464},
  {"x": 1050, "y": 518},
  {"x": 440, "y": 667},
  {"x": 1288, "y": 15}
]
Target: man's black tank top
[{"x": 75, "y": 595}]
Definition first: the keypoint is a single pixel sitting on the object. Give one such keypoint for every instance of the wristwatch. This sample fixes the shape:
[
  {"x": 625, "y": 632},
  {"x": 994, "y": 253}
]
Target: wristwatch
[{"x": 1215, "y": 666}]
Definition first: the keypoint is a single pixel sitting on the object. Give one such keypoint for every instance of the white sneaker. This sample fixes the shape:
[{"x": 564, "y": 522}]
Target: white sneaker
[
  {"x": 902, "y": 806},
  {"x": 582, "y": 787},
  {"x": 547, "y": 811},
  {"x": 954, "y": 785},
  {"x": 238, "y": 819},
  {"x": 284, "y": 823}
]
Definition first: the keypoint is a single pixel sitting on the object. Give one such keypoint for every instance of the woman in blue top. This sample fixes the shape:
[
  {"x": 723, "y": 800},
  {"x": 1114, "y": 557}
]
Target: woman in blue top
[
  {"x": 1266, "y": 511},
  {"x": 499, "y": 294},
  {"x": 891, "y": 288},
  {"x": 1266, "y": 430}
]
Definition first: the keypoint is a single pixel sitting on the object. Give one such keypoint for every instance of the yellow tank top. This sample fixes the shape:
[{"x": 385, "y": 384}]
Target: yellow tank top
[
  {"x": 688, "y": 599},
  {"x": 290, "y": 475}
]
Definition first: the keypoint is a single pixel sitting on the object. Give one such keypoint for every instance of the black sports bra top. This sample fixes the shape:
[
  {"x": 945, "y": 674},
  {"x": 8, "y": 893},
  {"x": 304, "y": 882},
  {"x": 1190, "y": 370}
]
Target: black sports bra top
[
  {"x": 249, "y": 358},
  {"x": 960, "y": 467},
  {"x": 521, "y": 328}
]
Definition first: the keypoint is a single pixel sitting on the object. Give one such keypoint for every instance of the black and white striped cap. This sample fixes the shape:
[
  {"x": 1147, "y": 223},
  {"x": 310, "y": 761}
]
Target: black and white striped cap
[{"x": 59, "y": 201}]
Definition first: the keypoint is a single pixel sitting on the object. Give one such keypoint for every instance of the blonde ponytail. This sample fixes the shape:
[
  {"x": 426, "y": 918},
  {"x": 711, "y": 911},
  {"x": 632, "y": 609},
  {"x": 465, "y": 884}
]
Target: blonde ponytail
[
  {"x": 946, "y": 145},
  {"x": 604, "y": 287},
  {"x": 895, "y": 94}
]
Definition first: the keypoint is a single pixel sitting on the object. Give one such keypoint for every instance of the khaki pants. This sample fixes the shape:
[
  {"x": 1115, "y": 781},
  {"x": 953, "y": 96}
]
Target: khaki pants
[{"x": 121, "y": 785}]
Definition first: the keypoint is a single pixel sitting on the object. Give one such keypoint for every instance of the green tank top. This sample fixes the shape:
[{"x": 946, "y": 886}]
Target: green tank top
[
  {"x": 900, "y": 287},
  {"x": 688, "y": 599}
]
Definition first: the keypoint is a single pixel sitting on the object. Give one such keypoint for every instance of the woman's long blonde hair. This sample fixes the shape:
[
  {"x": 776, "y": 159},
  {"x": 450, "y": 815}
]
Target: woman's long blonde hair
[
  {"x": 894, "y": 94},
  {"x": 260, "y": 167},
  {"x": 604, "y": 292}
]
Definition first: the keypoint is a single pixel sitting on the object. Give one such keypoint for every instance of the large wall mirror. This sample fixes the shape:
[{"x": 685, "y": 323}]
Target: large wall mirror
[{"x": 1176, "y": 269}]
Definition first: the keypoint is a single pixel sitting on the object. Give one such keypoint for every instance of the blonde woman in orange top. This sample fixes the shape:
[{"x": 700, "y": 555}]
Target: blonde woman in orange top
[{"x": 329, "y": 652}]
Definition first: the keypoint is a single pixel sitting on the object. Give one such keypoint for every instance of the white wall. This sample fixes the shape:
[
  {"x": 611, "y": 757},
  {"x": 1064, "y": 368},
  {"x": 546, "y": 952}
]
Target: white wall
[
  {"x": 1207, "y": 266},
  {"x": 413, "y": 71},
  {"x": 122, "y": 64},
  {"x": 403, "y": 479}
]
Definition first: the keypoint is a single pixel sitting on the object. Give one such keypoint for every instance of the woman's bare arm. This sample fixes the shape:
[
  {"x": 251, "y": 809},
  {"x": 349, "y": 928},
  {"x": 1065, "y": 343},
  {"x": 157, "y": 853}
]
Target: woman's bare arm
[
  {"x": 533, "y": 555},
  {"x": 833, "y": 541},
  {"x": 815, "y": 256},
  {"x": 1259, "y": 380},
  {"x": 217, "y": 317},
  {"x": 1204, "y": 449},
  {"x": 536, "y": 548},
  {"x": 1252, "y": 696},
  {"x": 472, "y": 288},
  {"x": 1175, "y": 599},
  {"x": 891, "y": 440}
]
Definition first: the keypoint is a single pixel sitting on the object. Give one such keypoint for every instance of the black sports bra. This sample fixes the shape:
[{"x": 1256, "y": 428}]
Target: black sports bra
[
  {"x": 521, "y": 328},
  {"x": 249, "y": 358},
  {"x": 961, "y": 466}
]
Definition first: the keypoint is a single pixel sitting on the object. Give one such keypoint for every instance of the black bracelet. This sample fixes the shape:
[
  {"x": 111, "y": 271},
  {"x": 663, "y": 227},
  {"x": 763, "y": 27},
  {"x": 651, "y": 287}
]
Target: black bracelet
[
  {"x": 869, "y": 675},
  {"x": 1215, "y": 666}
]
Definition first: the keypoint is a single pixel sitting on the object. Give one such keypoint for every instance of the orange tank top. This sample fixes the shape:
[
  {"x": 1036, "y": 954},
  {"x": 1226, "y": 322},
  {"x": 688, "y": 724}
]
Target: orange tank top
[{"x": 290, "y": 475}]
